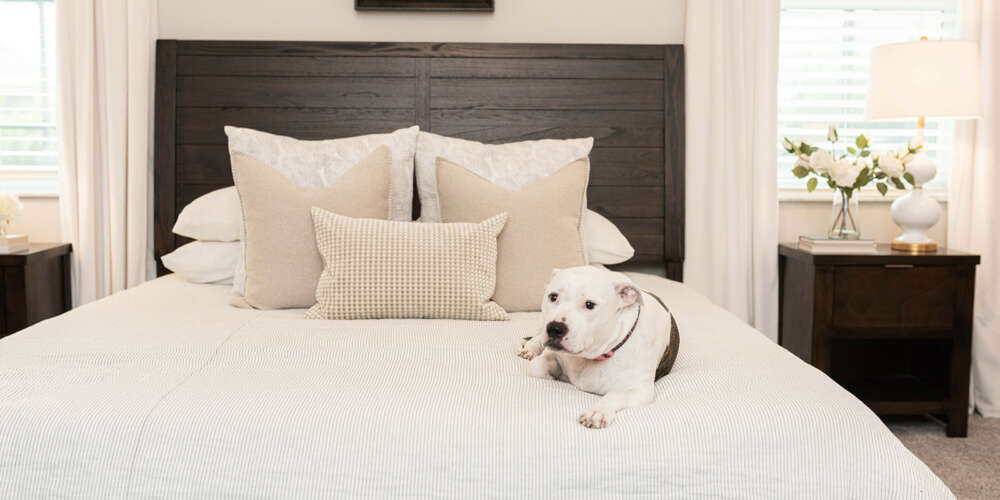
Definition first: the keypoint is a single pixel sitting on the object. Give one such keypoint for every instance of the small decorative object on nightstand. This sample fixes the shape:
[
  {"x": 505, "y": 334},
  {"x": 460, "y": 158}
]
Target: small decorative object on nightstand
[
  {"x": 10, "y": 207},
  {"x": 34, "y": 285},
  {"x": 894, "y": 329}
]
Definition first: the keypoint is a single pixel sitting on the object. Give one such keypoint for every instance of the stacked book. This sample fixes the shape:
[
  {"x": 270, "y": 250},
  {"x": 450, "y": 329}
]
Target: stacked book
[
  {"x": 816, "y": 244},
  {"x": 12, "y": 243}
]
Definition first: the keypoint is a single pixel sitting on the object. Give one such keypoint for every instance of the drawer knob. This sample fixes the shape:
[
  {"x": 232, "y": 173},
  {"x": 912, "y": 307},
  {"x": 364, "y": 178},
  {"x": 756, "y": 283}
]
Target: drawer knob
[{"x": 898, "y": 266}]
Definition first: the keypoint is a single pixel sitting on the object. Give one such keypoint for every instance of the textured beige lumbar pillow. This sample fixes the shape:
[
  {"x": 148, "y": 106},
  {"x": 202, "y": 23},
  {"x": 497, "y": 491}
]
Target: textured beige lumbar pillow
[
  {"x": 387, "y": 269},
  {"x": 542, "y": 231},
  {"x": 282, "y": 264}
]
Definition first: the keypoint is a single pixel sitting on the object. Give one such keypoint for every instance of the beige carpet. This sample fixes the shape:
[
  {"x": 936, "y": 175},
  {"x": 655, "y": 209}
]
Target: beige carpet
[{"x": 969, "y": 466}]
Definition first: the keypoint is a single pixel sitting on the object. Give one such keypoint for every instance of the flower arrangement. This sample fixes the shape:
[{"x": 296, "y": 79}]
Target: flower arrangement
[
  {"x": 855, "y": 168},
  {"x": 10, "y": 207}
]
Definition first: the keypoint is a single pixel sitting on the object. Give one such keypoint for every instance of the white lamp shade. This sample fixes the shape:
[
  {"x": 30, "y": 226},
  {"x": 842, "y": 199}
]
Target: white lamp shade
[{"x": 924, "y": 78}]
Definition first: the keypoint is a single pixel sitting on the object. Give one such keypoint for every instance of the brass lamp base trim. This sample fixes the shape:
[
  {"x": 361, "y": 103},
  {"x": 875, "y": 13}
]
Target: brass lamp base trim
[{"x": 900, "y": 246}]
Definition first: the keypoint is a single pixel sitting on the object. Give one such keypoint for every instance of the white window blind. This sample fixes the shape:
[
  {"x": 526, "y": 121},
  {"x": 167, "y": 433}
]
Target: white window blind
[
  {"x": 824, "y": 59},
  {"x": 28, "y": 137}
]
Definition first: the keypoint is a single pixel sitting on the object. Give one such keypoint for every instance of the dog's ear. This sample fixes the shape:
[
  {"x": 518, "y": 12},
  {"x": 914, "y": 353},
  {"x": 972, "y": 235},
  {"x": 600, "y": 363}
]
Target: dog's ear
[{"x": 628, "y": 293}]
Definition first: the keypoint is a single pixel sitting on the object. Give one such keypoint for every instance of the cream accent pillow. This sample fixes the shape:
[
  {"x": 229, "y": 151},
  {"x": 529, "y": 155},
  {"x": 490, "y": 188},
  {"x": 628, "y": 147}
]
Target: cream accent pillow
[
  {"x": 321, "y": 163},
  {"x": 386, "y": 269},
  {"x": 282, "y": 264},
  {"x": 512, "y": 166},
  {"x": 542, "y": 231}
]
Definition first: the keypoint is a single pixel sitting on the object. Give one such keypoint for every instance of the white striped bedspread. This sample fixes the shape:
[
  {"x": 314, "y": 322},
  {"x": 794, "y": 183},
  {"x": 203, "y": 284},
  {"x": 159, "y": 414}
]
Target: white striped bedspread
[{"x": 164, "y": 391}]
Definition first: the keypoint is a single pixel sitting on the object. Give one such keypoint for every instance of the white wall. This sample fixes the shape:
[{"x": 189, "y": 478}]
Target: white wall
[
  {"x": 40, "y": 220},
  {"x": 796, "y": 218},
  {"x": 541, "y": 21}
]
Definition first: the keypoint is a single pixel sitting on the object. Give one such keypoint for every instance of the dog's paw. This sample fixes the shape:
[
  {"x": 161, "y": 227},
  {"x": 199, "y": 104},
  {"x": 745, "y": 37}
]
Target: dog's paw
[
  {"x": 527, "y": 354},
  {"x": 595, "y": 419}
]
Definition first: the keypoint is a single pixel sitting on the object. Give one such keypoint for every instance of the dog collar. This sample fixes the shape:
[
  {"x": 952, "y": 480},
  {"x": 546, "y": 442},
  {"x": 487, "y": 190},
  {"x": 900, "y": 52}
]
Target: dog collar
[{"x": 609, "y": 354}]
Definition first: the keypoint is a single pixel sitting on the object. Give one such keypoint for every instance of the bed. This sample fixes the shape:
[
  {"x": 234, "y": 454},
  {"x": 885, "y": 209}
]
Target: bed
[{"x": 166, "y": 391}]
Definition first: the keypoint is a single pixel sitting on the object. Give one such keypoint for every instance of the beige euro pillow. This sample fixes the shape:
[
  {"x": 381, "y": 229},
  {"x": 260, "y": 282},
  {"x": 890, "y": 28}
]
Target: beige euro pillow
[
  {"x": 543, "y": 230},
  {"x": 376, "y": 269},
  {"x": 282, "y": 263}
]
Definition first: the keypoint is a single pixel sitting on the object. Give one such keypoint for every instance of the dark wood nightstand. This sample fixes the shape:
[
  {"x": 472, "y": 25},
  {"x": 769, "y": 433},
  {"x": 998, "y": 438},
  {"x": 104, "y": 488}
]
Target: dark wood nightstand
[
  {"x": 894, "y": 329},
  {"x": 34, "y": 285}
]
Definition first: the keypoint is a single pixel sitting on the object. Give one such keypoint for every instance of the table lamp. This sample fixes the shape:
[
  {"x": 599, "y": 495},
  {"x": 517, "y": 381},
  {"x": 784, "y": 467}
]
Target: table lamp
[{"x": 938, "y": 79}]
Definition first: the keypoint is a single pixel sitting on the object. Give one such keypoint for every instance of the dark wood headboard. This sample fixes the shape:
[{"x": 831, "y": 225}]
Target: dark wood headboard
[{"x": 630, "y": 98}]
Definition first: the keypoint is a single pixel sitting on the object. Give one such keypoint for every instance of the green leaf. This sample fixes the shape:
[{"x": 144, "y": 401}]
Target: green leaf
[
  {"x": 861, "y": 141},
  {"x": 882, "y": 188},
  {"x": 833, "y": 185},
  {"x": 898, "y": 183},
  {"x": 852, "y": 150},
  {"x": 800, "y": 171},
  {"x": 909, "y": 177},
  {"x": 811, "y": 184},
  {"x": 865, "y": 153}
]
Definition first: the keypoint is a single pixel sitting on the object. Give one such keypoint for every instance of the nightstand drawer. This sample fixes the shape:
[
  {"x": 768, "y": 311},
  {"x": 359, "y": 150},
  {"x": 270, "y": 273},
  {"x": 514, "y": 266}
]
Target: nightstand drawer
[{"x": 888, "y": 297}]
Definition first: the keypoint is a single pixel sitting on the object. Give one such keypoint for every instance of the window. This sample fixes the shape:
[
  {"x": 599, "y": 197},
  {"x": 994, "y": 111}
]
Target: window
[
  {"x": 824, "y": 60},
  {"x": 28, "y": 136}
]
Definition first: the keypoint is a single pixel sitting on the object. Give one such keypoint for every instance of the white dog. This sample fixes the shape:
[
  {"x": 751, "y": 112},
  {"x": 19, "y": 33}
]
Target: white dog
[{"x": 605, "y": 336}]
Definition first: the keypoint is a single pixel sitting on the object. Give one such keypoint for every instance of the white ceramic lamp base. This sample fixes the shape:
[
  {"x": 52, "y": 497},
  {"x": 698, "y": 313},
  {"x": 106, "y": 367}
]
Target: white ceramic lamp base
[{"x": 916, "y": 212}]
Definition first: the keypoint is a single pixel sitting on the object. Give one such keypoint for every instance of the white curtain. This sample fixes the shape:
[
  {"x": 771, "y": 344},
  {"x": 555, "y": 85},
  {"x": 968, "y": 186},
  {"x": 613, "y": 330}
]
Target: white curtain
[
  {"x": 731, "y": 56},
  {"x": 974, "y": 203},
  {"x": 105, "y": 65}
]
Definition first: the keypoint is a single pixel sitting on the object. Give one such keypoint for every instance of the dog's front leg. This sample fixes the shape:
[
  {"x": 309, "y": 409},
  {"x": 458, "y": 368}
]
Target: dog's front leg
[
  {"x": 545, "y": 366},
  {"x": 610, "y": 403}
]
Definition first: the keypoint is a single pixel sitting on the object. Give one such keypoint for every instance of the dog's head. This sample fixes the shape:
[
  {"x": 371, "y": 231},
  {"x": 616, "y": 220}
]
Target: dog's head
[{"x": 581, "y": 307}]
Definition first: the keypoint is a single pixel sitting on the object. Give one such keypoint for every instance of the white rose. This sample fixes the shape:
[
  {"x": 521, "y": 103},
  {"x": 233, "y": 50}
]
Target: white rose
[
  {"x": 916, "y": 142},
  {"x": 831, "y": 133},
  {"x": 802, "y": 161},
  {"x": 10, "y": 206},
  {"x": 890, "y": 164},
  {"x": 821, "y": 161},
  {"x": 787, "y": 145},
  {"x": 844, "y": 172}
]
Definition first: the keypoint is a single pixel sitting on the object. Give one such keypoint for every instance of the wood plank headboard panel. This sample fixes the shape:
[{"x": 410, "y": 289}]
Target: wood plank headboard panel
[{"x": 630, "y": 98}]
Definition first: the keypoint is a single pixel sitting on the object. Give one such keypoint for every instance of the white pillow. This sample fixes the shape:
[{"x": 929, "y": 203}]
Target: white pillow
[
  {"x": 215, "y": 216},
  {"x": 204, "y": 261},
  {"x": 603, "y": 241},
  {"x": 511, "y": 166},
  {"x": 321, "y": 163}
]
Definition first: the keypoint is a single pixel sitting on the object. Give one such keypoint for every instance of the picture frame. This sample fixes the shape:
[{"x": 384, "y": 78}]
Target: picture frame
[{"x": 425, "y": 5}]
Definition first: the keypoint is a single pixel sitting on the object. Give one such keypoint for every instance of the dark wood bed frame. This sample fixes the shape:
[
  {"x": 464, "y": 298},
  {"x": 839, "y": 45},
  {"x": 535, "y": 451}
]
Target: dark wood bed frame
[{"x": 630, "y": 98}]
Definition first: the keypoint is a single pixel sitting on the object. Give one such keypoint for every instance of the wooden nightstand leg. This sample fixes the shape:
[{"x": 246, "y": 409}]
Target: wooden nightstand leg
[
  {"x": 961, "y": 354},
  {"x": 958, "y": 423}
]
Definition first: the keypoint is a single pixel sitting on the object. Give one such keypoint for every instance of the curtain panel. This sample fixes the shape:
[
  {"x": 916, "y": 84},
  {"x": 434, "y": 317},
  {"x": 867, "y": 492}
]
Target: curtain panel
[
  {"x": 105, "y": 54},
  {"x": 974, "y": 203},
  {"x": 731, "y": 255}
]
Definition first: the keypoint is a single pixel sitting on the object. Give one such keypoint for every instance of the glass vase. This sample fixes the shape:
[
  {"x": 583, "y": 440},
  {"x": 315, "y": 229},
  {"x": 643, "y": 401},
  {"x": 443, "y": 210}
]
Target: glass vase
[{"x": 844, "y": 221}]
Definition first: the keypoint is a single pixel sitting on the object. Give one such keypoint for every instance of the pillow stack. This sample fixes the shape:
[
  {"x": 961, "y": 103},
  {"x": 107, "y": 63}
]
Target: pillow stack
[
  {"x": 327, "y": 225},
  {"x": 213, "y": 221}
]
